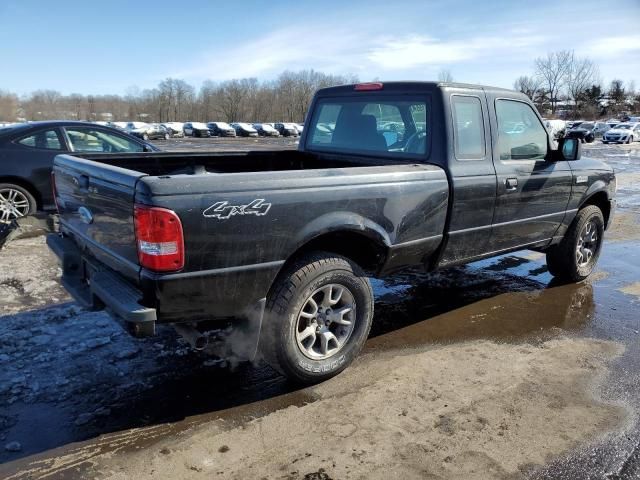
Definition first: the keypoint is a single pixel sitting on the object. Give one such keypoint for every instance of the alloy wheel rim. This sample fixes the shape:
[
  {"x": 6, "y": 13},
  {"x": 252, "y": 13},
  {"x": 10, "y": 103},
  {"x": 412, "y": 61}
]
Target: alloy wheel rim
[
  {"x": 587, "y": 244},
  {"x": 13, "y": 204},
  {"x": 325, "y": 321}
]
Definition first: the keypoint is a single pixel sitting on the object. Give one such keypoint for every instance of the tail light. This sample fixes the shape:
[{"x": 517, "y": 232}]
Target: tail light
[
  {"x": 366, "y": 87},
  {"x": 54, "y": 191},
  {"x": 159, "y": 238}
]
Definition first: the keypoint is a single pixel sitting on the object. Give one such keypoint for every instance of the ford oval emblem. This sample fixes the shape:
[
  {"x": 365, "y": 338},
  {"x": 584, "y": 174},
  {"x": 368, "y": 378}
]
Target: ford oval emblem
[{"x": 85, "y": 215}]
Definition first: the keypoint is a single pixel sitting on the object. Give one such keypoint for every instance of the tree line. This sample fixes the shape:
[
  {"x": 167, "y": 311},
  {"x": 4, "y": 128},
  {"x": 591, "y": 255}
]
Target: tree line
[
  {"x": 284, "y": 99},
  {"x": 562, "y": 82}
]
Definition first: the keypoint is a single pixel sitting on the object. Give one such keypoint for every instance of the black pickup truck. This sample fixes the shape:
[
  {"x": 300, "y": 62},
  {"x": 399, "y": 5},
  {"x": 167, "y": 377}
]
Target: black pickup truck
[{"x": 270, "y": 252}]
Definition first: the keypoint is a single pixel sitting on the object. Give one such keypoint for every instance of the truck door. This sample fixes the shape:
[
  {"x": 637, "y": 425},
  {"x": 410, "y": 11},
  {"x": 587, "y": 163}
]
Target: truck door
[
  {"x": 532, "y": 190},
  {"x": 473, "y": 176}
]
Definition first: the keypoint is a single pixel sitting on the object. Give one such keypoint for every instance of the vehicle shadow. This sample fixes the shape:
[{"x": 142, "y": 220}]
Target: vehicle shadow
[{"x": 104, "y": 389}]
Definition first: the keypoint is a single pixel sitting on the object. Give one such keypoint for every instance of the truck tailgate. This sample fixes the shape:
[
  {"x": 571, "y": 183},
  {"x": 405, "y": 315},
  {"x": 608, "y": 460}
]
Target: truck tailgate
[{"x": 96, "y": 202}]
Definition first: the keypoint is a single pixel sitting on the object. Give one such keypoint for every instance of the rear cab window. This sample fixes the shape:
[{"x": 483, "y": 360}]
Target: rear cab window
[
  {"x": 384, "y": 125},
  {"x": 468, "y": 127}
]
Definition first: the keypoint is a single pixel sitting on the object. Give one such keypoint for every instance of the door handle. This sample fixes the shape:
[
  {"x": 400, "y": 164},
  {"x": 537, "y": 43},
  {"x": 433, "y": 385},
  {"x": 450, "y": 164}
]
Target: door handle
[
  {"x": 82, "y": 182},
  {"x": 511, "y": 184}
]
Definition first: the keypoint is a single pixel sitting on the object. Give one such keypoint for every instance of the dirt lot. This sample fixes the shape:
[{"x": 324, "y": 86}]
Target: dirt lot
[{"x": 492, "y": 370}]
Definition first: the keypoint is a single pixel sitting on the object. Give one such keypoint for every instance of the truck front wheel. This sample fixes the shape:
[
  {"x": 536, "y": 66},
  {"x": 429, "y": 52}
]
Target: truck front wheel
[
  {"x": 575, "y": 257},
  {"x": 317, "y": 318}
]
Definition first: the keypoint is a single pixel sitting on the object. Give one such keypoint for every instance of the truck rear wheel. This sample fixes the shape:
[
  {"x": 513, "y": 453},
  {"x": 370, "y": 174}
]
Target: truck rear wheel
[
  {"x": 575, "y": 257},
  {"x": 317, "y": 318}
]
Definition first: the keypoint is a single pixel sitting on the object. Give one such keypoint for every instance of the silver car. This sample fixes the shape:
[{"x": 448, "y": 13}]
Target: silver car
[{"x": 622, "y": 133}]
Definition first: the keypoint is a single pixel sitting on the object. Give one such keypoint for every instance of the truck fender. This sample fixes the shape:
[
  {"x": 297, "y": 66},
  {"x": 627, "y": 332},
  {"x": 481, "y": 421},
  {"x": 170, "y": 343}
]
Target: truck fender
[
  {"x": 341, "y": 221},
  {"x": 595, "y": 187}
]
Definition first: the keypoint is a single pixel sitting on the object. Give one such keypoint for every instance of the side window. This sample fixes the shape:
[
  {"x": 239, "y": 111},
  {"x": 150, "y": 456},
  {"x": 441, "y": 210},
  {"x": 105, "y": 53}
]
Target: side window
[
  {"x": 468, "y": 128},
  {"x": 521, "y": 136},
  {"x": 92, "y": 140},
  {"x": 45, "y": 139}
]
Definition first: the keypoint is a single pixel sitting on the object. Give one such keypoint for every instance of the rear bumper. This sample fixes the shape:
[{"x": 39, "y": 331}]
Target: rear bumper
[{"x": 96, "y": 287}]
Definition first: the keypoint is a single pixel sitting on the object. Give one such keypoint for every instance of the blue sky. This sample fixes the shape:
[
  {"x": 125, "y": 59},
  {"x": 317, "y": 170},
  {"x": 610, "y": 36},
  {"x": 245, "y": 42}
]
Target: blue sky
[{"x": 113, "y": 45}]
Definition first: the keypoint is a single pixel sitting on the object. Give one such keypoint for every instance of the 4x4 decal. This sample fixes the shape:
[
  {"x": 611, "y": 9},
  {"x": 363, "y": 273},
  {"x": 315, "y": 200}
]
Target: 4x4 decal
[{"x": 223, "y": 211}]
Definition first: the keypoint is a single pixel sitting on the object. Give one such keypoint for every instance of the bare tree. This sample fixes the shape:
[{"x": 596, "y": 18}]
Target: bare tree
[
  {"x": 445, "y": 76},
  {"x": 582, "y": 74},
  {"x": 8, "y": 106},
  {"x": 530, "y": 86},
  {"x": 553, "y": 71}
]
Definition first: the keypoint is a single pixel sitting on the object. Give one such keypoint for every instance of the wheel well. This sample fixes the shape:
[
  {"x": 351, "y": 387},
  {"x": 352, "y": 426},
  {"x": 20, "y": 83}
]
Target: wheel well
[
  {"x": 21, "y": 182},
  {"x": 365, "y": 251},
  {"x": 601, "y": 201}
]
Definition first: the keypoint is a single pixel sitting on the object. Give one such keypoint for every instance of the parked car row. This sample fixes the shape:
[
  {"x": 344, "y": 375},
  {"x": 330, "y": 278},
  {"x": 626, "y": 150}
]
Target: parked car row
[
  {"x": 612, "y": 130},
  {"x": 154, "y": 131}
]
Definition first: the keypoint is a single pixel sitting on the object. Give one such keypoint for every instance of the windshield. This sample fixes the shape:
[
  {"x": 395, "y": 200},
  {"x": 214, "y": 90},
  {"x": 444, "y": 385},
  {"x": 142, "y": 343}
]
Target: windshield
[
  {"x": 389, "y": 126},
  {"x": 586, "y": 125},
  {"x": 623, "y": 127}
]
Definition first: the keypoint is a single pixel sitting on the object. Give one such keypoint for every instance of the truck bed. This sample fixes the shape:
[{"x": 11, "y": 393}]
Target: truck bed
[
  {"x": 243, "y": 215},
  {"x": 173, "y": 163}
]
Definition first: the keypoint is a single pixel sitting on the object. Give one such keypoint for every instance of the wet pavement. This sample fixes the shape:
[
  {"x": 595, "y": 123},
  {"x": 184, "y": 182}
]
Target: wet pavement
[{"x": 67, "y": 375}]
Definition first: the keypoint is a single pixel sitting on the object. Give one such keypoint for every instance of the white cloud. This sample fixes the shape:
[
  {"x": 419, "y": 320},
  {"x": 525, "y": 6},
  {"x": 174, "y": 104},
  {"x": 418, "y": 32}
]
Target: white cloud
[
  {"x": 614, "y": 46},
  {"x": 415, "y": 50}
]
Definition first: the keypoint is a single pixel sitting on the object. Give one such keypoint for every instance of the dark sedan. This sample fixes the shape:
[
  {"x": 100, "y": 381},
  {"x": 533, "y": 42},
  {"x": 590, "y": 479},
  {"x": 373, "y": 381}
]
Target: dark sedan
[
  {"x": 27, "y": 151},
  {"x": 221, "y": 129},
  {"x": 154, "y": 131},
  {"x": 286, "y": 129},
  {"x": 584, "y": 131}
]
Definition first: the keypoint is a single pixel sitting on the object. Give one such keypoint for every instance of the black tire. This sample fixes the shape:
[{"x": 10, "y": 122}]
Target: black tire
[
  {"x": 606, "y": 143},
  {"x": 291, "y": 292},
  {"x": 562, "y": 261},
  {"x": 145, "y": 137},
  {"x": 167, "y": 136},
  {"x": 630, "y": 139},
  {"x": 23, "y": 201}
]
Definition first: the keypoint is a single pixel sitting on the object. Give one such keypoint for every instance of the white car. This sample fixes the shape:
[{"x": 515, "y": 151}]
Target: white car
[
  {"x": 622, "y": 133},
  {"x": 556, "y": 128},
  {"x": 118, "y": 125},
  {"x": 175, "y": 127}
]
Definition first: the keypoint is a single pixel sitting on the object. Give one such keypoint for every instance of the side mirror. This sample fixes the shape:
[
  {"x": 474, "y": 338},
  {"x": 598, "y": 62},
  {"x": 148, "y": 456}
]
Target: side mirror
[
  {"x": 571, "y": 148},
  {"x": 568, "y": 149}
]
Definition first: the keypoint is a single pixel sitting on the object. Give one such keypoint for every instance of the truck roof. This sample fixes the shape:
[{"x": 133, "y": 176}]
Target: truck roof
[{"x": 409, "y": 86}]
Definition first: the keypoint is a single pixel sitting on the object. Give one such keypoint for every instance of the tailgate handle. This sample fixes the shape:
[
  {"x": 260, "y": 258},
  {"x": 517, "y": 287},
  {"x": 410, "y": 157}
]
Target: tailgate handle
[{"x": 82, "y": 182}]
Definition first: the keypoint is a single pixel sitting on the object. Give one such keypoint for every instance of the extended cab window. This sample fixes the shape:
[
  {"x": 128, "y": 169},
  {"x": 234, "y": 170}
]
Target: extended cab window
[
  {"x": 92, "y": 140},
  {"x": 370, "y": 125},
  {"x": 46, "y": 140},
  {"x": 468, "y": 127},
  {"x": 521, "y": 136}
]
